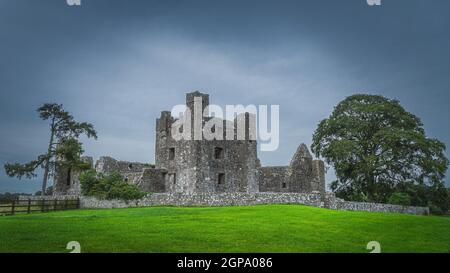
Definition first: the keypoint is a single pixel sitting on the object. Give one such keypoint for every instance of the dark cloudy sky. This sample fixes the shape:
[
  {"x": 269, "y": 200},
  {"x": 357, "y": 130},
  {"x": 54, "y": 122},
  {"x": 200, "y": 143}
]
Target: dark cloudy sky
[{"x": 118, "y": 63}]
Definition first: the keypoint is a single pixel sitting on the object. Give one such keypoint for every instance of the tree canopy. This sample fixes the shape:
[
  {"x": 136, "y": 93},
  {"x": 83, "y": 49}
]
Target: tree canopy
[
  {"x": 63, "y": 148},
  {"x": 376, "y": 148}
]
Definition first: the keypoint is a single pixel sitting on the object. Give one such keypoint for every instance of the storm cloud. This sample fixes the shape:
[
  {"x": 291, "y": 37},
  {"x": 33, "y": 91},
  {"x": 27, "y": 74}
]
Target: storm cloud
[{"x": 118, "y": 63}]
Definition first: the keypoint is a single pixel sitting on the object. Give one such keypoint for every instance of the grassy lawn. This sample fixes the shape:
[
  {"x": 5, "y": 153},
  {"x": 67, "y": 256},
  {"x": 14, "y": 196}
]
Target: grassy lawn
[{"x": 272, "y": 228}]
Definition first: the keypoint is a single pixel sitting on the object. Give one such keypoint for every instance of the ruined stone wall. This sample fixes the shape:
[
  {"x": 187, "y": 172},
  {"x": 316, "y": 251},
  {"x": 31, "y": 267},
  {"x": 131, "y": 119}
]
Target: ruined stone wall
[
  {"x": 244, "y": 199},
  {"x": 143, "y": 176},
  {"x": 153, "y": 180},
  {"x": 107, "y": 165},
  {"x": 318, "y": 174},
  {"x": 274, "y": 179},
  {"x": 146, "y": 178},
  {"x": 206, "y": 199},
  {"x": 335, "y": 203},
  {"x": 302, "y": 175},
  {"x": 133, "y": 178},
  {"x": 66, "y": 180}
]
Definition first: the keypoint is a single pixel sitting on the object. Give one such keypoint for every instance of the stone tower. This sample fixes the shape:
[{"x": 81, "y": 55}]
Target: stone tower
[{"x": 205, "y": 165}]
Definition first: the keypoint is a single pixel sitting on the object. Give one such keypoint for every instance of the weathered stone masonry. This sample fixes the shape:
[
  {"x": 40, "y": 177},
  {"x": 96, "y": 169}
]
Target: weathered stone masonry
[
  {"x": 245, "y": 199},
  {"x": 238, "y": 199}
]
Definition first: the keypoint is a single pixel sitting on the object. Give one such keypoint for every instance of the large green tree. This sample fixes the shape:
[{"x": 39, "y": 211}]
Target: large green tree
[
  {"x": 63, "y": 144},
  {"x": 376, "y": 148}
]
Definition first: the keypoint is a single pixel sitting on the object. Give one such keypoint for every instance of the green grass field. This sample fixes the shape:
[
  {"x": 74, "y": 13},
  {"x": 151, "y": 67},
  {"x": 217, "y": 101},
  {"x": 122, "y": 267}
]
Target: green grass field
[{"x": 274, "y": 228}]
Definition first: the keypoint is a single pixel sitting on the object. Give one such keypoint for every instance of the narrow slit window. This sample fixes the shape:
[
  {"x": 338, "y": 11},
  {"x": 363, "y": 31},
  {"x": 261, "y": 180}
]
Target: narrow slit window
[
  {"x": 218, "y": 153},
  {"x": 68, "y": 177},
  {"x": 173, "y": 178},
  {"x": 171, "y": 153},
  {"x": 221, "y": 179}
]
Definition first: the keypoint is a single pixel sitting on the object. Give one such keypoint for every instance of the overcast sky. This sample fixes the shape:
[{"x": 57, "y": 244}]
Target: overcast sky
[{"x": 118, "y": 63}]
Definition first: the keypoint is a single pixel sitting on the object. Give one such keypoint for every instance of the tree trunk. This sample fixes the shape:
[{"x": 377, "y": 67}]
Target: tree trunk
[
  {"x": 47, "y": 163},
  {"x": 44, "y": 180}
]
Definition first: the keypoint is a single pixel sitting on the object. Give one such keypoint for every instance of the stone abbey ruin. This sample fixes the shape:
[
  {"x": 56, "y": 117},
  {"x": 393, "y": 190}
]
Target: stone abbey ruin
[
  {"x": 218, "y": 172},
  {"x": 206, "y": 166}
]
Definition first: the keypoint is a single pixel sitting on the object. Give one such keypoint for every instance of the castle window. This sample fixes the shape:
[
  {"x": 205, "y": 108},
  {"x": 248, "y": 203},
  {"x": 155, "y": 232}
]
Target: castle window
[
  {"x": 126, "y": 179},
  {"x": 68, "y": 177},
  {"x": 171, "y": 153},
  {"x": 221, "y": 179},
  {"x": 283, "y": 185},
  {"x": 130, "y": 166},
  {"x": 218, "y": 153},
  {"x": 173, "y": 178}
]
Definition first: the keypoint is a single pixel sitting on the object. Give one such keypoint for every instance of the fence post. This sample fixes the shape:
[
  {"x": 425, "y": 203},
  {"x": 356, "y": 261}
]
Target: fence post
[
  {"x": 78, "y": 202},
  {"x": 43, "y": 205},
  {"x": 55, "y": 202},
  {"x": 29, "y": 206},
  {"x": 13, "y": 206},
  {"x": 65, "y": 204}
]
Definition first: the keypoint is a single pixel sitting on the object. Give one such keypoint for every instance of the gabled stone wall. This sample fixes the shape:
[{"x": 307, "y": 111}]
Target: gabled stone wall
[{"x": 302, "y": 175}]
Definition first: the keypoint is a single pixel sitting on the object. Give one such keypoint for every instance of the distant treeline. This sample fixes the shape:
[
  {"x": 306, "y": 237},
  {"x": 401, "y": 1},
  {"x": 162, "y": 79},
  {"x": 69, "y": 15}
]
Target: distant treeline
[{"x": 9, "y": 197}]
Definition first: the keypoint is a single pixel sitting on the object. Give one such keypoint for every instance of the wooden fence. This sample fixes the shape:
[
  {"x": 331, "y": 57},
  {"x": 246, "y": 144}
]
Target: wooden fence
[{"x": 30, "y": 205}]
